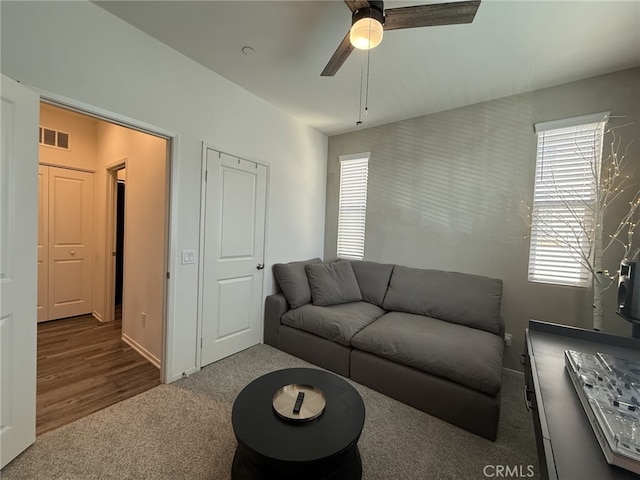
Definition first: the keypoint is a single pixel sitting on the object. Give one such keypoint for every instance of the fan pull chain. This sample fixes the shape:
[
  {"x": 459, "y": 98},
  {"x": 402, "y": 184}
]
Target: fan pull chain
[
  {"x": 364, "y": 86},
  {"x": 359, "y": 122},
  {"x": 366, "y": 98}
]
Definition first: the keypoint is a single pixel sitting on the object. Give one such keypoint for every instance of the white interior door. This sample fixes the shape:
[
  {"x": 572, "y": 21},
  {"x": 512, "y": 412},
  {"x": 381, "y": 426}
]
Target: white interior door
[
  {"x": 233, "y": 255},
  {"x": 70, "y": 242},
  {"x": 43, "y": 244},
  {"x": 18, "y": 269}
]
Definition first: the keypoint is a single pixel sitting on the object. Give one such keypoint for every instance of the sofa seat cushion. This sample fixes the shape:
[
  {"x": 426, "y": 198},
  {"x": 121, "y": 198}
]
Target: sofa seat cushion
[
  {"x": 461, "y": 354},
  {"x": 338, "y": 323}
]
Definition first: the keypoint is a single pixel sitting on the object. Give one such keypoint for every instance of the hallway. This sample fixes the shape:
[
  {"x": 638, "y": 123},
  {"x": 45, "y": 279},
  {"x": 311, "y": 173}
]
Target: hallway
[{"x": 83, "y": 367}]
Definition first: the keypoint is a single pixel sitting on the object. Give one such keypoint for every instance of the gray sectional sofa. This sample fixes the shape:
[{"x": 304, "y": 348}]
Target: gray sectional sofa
[{"x": 429, "y": 338}]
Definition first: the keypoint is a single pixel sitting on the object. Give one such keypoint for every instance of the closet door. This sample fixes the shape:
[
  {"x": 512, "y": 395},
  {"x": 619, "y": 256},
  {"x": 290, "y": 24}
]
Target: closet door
[
  {"x": 234, "y": 232},
  {"x": 70, "y": 242},
  {"x": 18, "y": 210}
]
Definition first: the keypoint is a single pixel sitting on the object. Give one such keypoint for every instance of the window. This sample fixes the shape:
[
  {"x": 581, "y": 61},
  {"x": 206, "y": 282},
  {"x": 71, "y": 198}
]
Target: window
[
  {"x": 567, "y": 167},
  {"x": 352, "y": 210}
]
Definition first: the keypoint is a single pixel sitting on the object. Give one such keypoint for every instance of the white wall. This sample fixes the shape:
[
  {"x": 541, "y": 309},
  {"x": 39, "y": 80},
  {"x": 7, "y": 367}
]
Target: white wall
[
  {"x": 145, "y": 237},
  {"x": 445, "y": 192},
  {"x": 79, "y": 51}
]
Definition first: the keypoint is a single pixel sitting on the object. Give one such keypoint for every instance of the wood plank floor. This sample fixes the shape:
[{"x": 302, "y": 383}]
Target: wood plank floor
[{"x": 83, "y": 367}]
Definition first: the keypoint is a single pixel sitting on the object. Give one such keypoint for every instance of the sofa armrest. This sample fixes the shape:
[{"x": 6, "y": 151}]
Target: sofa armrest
[
  {"x": 274, "y": 306},
  {"x": 502, "y": 327}
]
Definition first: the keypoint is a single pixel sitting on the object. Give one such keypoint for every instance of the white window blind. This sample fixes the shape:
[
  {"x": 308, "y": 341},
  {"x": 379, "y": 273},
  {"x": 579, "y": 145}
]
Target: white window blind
[
  {"x": 567, "y": 166},
  {"x": 352, "y": 212}
]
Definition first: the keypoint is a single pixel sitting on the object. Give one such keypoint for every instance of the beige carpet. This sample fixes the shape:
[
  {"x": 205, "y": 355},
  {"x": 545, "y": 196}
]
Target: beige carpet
[{"x": 183, "y": 431}]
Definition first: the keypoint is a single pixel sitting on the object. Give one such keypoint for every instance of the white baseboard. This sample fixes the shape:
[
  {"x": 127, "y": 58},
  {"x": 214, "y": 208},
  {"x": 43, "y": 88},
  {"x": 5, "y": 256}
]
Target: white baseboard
[
  {"x": 97, "y": 316},
  {"x": 141, "y": 350}
]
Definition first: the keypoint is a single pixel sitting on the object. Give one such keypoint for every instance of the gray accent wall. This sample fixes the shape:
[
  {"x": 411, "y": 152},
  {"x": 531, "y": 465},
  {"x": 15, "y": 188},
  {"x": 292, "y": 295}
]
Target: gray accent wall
[{"x": 450, "y": 191}]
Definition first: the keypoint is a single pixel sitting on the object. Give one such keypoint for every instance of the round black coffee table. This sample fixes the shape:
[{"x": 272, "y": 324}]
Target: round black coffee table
[{"x": 270, "y": 447}]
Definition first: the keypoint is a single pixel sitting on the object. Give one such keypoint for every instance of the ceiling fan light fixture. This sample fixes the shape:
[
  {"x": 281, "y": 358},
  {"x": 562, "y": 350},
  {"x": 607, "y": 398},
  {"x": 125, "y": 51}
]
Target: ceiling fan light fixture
[{"x": 367, "y": 28}]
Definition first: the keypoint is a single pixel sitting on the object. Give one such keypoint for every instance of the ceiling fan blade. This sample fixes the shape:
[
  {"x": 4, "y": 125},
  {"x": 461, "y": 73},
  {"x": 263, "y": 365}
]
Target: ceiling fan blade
[
  {"x": 430, "y": 15},
  {"x": 356, "y": 4},
  {"x": 338, "y": 58}
]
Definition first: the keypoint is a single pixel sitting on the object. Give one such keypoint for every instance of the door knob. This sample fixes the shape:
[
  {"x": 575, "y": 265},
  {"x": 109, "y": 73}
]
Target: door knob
[
  {"x": 72, "y": 252},
  {"x": 260, "y": 266}
]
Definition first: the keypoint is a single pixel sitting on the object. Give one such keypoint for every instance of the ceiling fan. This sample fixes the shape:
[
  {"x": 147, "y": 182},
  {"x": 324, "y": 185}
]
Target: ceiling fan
[{"x": 369, "y": 20}]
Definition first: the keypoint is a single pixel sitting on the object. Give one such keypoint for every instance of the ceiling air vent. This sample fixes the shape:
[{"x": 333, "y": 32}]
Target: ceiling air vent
[{"x": 54, "y": 138}]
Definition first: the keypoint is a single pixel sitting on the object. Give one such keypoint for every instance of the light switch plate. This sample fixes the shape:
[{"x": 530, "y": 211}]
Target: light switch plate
[{"x": 188, "y": 256}]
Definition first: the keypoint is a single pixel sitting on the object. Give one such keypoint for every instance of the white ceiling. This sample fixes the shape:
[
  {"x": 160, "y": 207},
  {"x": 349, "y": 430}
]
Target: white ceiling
[{"x": 513, "y": 46}]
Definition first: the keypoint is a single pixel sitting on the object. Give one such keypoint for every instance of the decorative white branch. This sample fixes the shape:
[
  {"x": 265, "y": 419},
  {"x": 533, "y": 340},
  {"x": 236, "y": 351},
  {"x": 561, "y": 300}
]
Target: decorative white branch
[{"x": 612, "y": 183}]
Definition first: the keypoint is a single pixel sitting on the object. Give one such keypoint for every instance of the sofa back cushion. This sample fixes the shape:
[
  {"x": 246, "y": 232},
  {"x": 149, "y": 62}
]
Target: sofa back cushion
[
  {"x": 373, "y": 280},
  {"x": 461, "y": 298},
  {"x": 332, "y": 284},
  {"x": 293, "y": 281}
]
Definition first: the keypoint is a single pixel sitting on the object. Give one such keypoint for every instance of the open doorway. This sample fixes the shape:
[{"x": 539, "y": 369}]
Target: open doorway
[
  {"x": 119, "y": 267},
  {"x": 110, "y": 349},
  {"x": 115, "y": 234}
]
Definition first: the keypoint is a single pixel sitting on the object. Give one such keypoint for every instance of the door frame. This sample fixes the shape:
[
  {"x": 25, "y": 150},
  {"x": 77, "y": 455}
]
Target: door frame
[
  {"x": 173, "y": 140},
  {"x": 110, "y": 245},
  {"x": 203, "y": 197}
]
